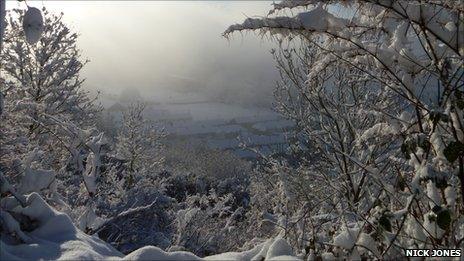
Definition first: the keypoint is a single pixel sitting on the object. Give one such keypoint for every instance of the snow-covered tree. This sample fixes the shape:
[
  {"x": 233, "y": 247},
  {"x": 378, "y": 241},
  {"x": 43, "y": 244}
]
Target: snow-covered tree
[
  {"x": 139, "y": 142},
  {"x": 381, "y": 100},
  {"x": 45, "y": 104}
]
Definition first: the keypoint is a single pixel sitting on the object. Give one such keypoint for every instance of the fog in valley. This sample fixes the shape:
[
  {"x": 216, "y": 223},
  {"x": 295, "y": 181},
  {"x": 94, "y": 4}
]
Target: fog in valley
[{"x": 171, "y": 49}]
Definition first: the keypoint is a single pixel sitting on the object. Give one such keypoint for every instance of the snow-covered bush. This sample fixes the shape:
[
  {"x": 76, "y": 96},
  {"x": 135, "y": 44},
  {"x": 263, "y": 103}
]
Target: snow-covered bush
[
  {"x": 134, "y": 224},
  {"x": 209, "y": 224},
  {"x": 53, "y": 236},
  {"x": 377, "y": 93},
  {"x": 211, "y": 188}
]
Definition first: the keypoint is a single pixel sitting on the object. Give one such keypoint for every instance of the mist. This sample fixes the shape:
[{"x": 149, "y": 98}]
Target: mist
[{"x": 171, "y": 48}]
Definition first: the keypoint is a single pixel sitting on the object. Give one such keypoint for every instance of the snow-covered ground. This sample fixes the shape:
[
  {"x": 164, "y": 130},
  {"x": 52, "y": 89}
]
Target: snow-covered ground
[
  {"x": 56, "y": 238},
  {"x": 217, "y": 125}
]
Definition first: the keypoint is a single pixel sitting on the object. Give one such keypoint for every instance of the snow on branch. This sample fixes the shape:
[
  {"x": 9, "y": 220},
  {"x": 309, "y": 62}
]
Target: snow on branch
[
  {"x": 317, "y": 19},
  {"x": 289, "y": 4}
]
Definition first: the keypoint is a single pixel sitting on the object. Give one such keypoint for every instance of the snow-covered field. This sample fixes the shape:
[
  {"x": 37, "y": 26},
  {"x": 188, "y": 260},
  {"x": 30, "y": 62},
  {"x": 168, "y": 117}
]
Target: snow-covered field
[{"x": 217, "y": 125}]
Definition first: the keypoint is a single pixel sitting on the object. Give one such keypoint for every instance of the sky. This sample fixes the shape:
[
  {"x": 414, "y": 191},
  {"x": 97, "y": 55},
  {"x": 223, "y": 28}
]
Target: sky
[{"x": 169, "y": 47}]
